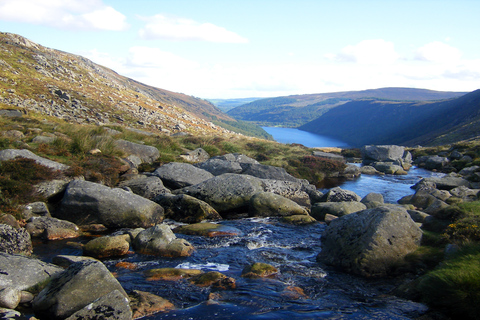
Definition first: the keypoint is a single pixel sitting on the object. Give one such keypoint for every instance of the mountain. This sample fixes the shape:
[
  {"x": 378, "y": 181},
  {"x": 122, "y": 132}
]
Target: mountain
[
  {"x": 296, "y": 110},
  {"x": 371, "y": 121},
  {"x": 56, "y": 83},
  {"x": 228, "y": 104}
]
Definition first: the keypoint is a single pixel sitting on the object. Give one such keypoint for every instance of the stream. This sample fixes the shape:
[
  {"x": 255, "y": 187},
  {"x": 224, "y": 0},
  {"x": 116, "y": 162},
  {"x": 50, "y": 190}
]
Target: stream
[{"x": 304, "y": 288}]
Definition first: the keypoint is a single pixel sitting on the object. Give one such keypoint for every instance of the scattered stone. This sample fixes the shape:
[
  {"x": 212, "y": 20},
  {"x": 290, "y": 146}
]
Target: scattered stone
[
  {"x": 107, "y": 246},
  {"x": 160, "y": 240},
  {"x": 214, "y": 279}
]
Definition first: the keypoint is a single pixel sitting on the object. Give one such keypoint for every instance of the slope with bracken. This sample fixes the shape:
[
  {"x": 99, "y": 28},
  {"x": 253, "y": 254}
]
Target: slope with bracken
[{"x": 56, "y": 83}]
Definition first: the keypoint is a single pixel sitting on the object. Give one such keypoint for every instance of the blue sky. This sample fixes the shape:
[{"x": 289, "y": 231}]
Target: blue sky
[{"x": 264, "y": 48}]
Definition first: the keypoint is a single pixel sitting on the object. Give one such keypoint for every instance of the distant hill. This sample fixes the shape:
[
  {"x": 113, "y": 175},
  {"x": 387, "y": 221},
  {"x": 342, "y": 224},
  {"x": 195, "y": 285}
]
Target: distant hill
[
  {"x": 296, "y": 110},
  {"x": 227, "y": 104},
  {"x": 372, "y": 121},
  {"x": 56, "y": 83}
]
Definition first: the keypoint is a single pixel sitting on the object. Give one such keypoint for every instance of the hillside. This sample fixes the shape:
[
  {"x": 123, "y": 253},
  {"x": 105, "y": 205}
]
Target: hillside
[
  {"x": 296, "y": 110},
  {"x": 56, "y": 83},
  {"x": 370, "y": 121}
]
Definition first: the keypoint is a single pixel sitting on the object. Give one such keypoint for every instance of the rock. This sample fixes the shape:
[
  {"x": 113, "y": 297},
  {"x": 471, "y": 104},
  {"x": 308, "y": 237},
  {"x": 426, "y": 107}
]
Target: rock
[
  {"x": 144, "y": 304},
  {"x": 373, "y": 200},
  {"x": 370, "y": 242},
  {"x": 337, "y": 195},
  {"x": 226, "y": 193},
  {"x": 112, "y": 306},
  {"x": 208, "y": 229},
  {"x": 43, "y": 139},
  {"x": 369, "y": 170},
  {"x": 15, "y": 241},
  {"x": 9, "y": 314},
  {"x": 447, "y": 182},
  {"x": 87, "y": 202},
  {"x": 259, "y": 270},
  {"x": 171, "y": 274},
  {"x": 9, "y": 154},
  {"x": 107, "y": 246},
  {"x": 351, "y": 172},
  {"x": 66, "y": 261},
  {"x": 24, "y": 273},
  {"x": 329, "y": 155},
  {"x": 147, "y": 187},
  {"x": 268, "y": 172},
  {"x": 338, "y": 209},
  {"x": 79, "y": 285},
  {"x": 52, "y": 189},
  {"x": 329, "y": 218},
  {"x": 214, "y": 279},
  {"x": 11, "y": 113},
  {"x": 147, "y": 154},
  {"x": 435, "y": 162},
  {"x": 385, "y": 153},
  {"x": 293, "y": 190},
  {"x": 465, "y": 193},
  {"x": 435, "y": 207},
  {"x": 160, "y": 240},
  {"x": 10, "y": 220},
  {"x": 177, "y": 175},
  {"x": 187, "y": 209},
  {"x": 418, "y": 216},
  {"x": 10, "y": 297},
  {"x": 51, "y": 228},
  {"x": 35, "y": 209},
  {"x": 299, "y": 219},
  {"x": 267, "y": 204},
  {"x": 467, "y": 171},
  {"x": 389, "y": 168},
  {"x": 219, "y": 165},
  {"x": 197, "y": 155},
  {"x": 13, "y": 134}
]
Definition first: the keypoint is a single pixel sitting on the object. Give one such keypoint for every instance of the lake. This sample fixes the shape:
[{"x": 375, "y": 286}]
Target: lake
[{"x": 308, "y": 139}]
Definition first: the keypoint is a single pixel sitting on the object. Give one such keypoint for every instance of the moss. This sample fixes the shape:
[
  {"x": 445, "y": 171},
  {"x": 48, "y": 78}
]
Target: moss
[{"x": 259, "y": 270}]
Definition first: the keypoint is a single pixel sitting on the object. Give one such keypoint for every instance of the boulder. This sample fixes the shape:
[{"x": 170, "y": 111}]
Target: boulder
[
  {"x": 259, "y": 270},
  {"x": 465, "y": 193},
  {"x": 112, "y": 306},
  {"x": 11, "y": 113},
  {"x": 197, "y": 155},
  {"x": 35, "y": 209},
  {"x": 351, "y": 172},
  {"x": 10, "y": 297},
  {"x": 177, "y": 175},
  {"x": 147, "y": 154},
  {"x": 51, "y": 228},
  {"x": 66, "y": 261},
  {"x": 329, "y": 155},
  {"x": 161, "y": 241},
  {"x": 338, "y": 209},
  {"x": 208, "y": 229},
  {"x": 418, "y": 216},
  {"x": 447, "y": 182},
  {"x": 373, "y": 200},
  {"x": 87, "y": 203},
  {"x": 9, "y": 154},
  {"x": 226, "y": 193},
  {"x": 15, "y": 240},
  {"x": 107, "y": 246},
  {"x": 467, "y": 171},
  {"x": 147, "y": 187},
  {"x": 53, "y": 189},
  {"x": 337, "y": 194},
  {"x": 219, "y": 165},
  {"x": 385, "y": 153},
  {"x": 369, "y": 170},
  {"x": 267, "y": 204},
  {"x": 268, "y": 172},
  {"x": 214, "y": 279},
  {"x": 293, "y": 190},
  {"x": 10, "y": 220},
  {"x": 435, "y": 162},
  {"x": 79, "y": 285},
  {"x": 370, "y": 242},
  {"x": 300, "y": 219},
  {"x": 24, "y": 273},
  {"x": 389, "y": 168},
  {"x": 144, "y": 304},
  {"x": 185, "y": 208}
]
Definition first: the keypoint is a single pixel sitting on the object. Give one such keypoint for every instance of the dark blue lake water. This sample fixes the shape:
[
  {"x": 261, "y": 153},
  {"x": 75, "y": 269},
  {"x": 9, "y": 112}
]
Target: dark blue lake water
[{"x": 308, "y": 139}]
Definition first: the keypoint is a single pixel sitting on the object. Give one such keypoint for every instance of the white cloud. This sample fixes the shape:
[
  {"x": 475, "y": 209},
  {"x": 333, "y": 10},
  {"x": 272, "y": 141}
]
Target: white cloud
[
  {"x": 438, "y": 52},
  {"x": 70, "y": 14},
  {"x": 374, "y": 52},
  {"x": 173, "y": 28}
]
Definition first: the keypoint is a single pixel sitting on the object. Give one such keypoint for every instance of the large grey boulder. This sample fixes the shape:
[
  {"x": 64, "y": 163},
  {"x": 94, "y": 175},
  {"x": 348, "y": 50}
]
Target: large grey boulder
[
  {"x": 370, "y": 242},
  {"x": 112, "y": 306},
  {"x": 35, "y": 209},
  {"x": 161, "y": 241},
  {"x": 197, "y": 155},
  {"x": 24, "y": 273},
  {"x": 338, "y": 209},
  {"x": 267, "y": 204},
  {"x": 219, "y": 165},
  {"x": 388, "y": 153},
  {"x": 447, "y": 182},
  {"x": 268, "y": 172},
  {"x": 226, "y": 193},
  {"x": 177, "y": 175},
  {"x": 293, "y": 190},
  {"x": 435, "y": 162},
  {"x": 52, "y": 189},
  {"x": 147, "y": 154},
  {"x": 10, "y": 154},
  {"x": 15, "y": 240},
  {"x": 51, "y": 228},
  {"x": 389, "y": 168},
  {"x": 107, "y": 246},
  {"x": 185, "y": 208},
  {"x": 373, "y": 200},
  {"x": 338, "y": 194},
  {"x": 147, "y": 187},
  {"x": 87, "y": 202},
  {"x": 465, "y": 193},
  {"x": 79, "y": 285}
]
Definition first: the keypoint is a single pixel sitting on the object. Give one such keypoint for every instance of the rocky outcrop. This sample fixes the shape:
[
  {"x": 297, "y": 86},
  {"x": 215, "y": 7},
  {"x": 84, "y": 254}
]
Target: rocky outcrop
[
  {"x": 15, "y": 240},
  {"x": 161, "y": 241},
  {"x": 78, "y": 286},
  {"x": 87, "y": 202},
  {"x": 185, "y": 208},
  {"x": 24, "y": 273},
  {"x": 267, "y": 204},
  {"x": 370, "y": 242},
  {"x": 177, "y": 175},
  {"x": 9, "y": 154}
]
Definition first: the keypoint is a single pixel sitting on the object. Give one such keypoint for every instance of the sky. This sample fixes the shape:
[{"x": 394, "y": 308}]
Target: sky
[{"x": 227, "y": 49}]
